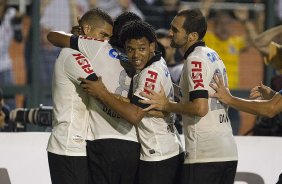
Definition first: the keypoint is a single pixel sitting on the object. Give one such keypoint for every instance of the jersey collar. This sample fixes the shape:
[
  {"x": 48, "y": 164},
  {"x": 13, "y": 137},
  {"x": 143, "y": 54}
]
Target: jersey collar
[
  {"x": 155, "y": 58},
  {"x": 192, "y": 47}
]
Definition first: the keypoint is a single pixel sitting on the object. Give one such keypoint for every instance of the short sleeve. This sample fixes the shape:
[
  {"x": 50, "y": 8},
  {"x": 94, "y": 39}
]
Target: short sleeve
[
  {"x": 77, "y": 65},
  {"x": 198, "y": 81},
  {"x": 89, "y": 46},
  {"x": 147, "y": 78}
]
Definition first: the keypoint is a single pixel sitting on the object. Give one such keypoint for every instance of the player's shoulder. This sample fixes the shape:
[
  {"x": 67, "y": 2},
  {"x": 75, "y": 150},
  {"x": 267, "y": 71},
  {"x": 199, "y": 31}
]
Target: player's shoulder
[
  {"x": 68, "y": 51},
  {"x": 84, "y": 37},
  {"x": 91, "y": 42},
  {"x": 202, "y": 54}
]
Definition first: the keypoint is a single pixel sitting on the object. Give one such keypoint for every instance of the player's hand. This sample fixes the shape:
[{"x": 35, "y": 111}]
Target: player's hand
[
  {"x": 156, "y": 100},
  {"x": 77, "y": 30},
  {"x": 93, "y": 88},
  {"x": 261, "y": 92},
  {"x": 221, "y": 92}
]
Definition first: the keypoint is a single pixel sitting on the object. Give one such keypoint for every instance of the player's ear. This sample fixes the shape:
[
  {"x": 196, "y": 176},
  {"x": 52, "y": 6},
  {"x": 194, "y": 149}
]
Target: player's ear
[
  {"x": 86, "y": 28},
  {"x": 193, "y": 36}
]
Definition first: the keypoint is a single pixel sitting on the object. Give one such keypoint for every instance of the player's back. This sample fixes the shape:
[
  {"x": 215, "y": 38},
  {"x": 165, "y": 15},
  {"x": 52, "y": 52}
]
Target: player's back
[
  {"x": 106, "y": 63},
  {"x": 70, "y": 105}
]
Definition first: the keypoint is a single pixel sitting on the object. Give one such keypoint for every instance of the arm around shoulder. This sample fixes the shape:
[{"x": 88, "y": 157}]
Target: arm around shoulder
[
  {"x": 197, "y": 107},
  {"x": 59, "y": 39}
]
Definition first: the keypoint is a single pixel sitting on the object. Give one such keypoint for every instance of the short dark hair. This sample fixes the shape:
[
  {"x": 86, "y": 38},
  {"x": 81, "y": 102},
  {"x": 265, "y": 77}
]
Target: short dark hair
[
  {"x": 137, "y": 30},
  {"x": 91, "y": 16},
  {"x": 195, "y": 21},
  {"x": 119, "y": 23}
]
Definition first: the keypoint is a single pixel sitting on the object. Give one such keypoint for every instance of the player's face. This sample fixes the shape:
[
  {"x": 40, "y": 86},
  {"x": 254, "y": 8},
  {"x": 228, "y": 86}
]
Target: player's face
[
  {"x": 179, "y": 37},
  {"x": 102, "y": 32},
  {"x": 139, "y": 52}
]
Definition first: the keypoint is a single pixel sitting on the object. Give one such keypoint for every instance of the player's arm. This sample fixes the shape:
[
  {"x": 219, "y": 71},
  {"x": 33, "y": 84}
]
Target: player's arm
[
  {"x": 267, "y": 108},
  {"x": 198, "y": 95},
  {"x": 262, "y": 41},
  {"x": 196, "y": 107},
  {"x": 128, "y": 111},
  {"x": 59, "y": 39},
  {"x": 76, "y": 65},
  {"x": 152, "y": 113}
]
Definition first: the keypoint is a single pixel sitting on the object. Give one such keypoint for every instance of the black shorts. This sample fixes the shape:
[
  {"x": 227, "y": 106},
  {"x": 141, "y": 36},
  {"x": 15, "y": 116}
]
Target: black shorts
[
  {"x": 210, "y": 172},
  {"x": 280, "y": 179},
  {"x": 112, "y": 161},
  {"x": 68, "y": 169},
  {"x": 161, "y": 172}
]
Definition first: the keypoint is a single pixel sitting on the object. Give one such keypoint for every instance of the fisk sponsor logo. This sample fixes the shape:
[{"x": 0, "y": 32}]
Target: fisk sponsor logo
[
  {"x": 83, "y": 62},
  {"x": 151, "y": 80},
  {"x": 197, "y": 76}
]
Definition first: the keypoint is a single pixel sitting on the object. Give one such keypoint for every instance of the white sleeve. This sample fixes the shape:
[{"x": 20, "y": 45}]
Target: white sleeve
[
  {"x": 148, "y": 77},
  {"x": 90, "y": 46},
  {"x": 197, "y": 74},
  {"x": 77, "y": 65}
]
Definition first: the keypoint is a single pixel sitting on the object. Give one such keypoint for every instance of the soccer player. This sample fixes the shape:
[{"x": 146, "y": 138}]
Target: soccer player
[
  {"x": 161, "y": 151},
  {"x": 210, "y": 145},
  {"x": 113, "y": 149},
  {"x": 67, "y": 143}
]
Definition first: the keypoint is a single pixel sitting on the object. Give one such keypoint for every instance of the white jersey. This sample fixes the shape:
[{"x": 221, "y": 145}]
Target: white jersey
[
  {"x": 70, "y": 104},
  {"x": 106, "y": 63},
  {"x": 6, "y": 35},
  {"x": 158, "y": 136},
  {"x": 175, "y": 72},
  {"x": 208, "y": 138}
]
